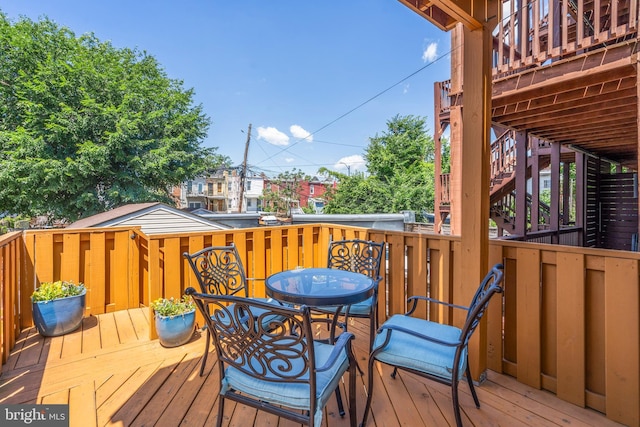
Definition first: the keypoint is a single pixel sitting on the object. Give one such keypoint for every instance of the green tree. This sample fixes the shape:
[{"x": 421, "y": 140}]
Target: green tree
[
  {"x": 86, "y": 127},
  {"x": 283, "y": 191},
  {"x": 401, "y": 173},
  {"x": 358, "y": 194}
]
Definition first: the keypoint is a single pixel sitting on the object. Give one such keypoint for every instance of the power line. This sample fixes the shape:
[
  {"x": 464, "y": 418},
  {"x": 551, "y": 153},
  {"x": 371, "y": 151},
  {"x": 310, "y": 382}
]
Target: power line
[{"x": 362, "y": 104}]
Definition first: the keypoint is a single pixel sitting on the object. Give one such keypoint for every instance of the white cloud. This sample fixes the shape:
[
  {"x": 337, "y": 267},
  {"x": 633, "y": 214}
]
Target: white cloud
[
  {"x": 273, "y": 136},
  {"x": 354, "y": 163},
  {"x": 406, "y": 88},
  {"x": 300, "y": 133},
  {"x": 430, "y": 53},
  {"x": 289, "y": 159}
]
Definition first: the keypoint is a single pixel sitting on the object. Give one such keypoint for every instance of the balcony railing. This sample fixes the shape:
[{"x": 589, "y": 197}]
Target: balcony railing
[
  {"x": 568, "y": 321},
  {"x": 537, "y": 31}
]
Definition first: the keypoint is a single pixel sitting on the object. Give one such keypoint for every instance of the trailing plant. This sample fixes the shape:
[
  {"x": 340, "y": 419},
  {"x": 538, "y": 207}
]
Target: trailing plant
[
  {"x": 172, "y": 306},
  {"x": 55, "y": 290}
]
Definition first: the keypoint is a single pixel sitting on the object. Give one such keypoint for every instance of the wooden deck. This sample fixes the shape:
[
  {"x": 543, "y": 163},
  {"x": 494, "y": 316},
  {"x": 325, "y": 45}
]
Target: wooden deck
[{"x": 111, "y": 374}]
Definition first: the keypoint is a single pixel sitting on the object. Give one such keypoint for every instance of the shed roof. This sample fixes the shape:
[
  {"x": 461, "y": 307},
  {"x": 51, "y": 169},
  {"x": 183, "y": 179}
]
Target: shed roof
[{"x": 153, "y": 218}]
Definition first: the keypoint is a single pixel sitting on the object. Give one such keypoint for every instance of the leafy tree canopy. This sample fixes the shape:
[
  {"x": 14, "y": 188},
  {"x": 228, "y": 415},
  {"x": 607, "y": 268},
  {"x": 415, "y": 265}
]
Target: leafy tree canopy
[
  {"x": 283, "y": 192},
  {"x": 401, "y": 173},
  {"x": 86, "y": 127}
]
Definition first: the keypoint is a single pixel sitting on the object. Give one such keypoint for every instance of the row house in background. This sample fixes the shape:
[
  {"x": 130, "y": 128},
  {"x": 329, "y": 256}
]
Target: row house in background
[
  {"x": 192, "y": 194},
  {"x": 308, "y": 194},
  {"x": 312, "y": 193},
  {"x": 240, "y": 199},
  {"x": 222, "y": 192}
]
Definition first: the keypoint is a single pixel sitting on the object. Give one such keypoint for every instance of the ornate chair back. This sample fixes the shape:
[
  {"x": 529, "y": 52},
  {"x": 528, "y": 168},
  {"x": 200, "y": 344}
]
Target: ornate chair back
[
  {"x": 219, "y": 270},
  {"x": 268, "y": 359}
]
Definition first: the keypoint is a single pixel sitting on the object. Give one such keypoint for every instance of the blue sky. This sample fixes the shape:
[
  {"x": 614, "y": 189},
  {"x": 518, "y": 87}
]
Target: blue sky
[{"x": 315, "y": 80}]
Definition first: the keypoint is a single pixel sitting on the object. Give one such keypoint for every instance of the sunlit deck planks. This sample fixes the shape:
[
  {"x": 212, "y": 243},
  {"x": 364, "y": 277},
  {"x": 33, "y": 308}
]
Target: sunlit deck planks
[{"x": 111, "y": 374}]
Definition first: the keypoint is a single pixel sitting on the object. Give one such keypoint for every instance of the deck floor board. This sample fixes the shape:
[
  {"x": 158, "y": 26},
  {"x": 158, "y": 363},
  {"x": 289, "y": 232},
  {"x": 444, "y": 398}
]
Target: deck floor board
[{"x": 110, "y": 373}]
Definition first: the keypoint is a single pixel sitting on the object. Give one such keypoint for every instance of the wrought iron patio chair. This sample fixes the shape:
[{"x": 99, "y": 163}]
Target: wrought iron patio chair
[
  {"x": 219, "y": 271},
  {"x": 360, "y": 256},
  {"x": 268, "y": 359},
  {"x": 429, "y": 349}
]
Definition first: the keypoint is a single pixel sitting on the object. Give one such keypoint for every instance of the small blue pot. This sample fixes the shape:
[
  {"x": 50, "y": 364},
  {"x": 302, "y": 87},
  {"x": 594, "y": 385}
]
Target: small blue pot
[
  {"x": 59, "y": 316},
  {"x": 175, "y": 330}
]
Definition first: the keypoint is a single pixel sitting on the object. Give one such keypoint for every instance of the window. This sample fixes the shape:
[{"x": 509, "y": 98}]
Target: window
[
  {"x": 219, "y": 187},
  {"x": 310, "y": 188},
  {"x": 248, "y": 183},
  {"x": 195, "y": 205},
  {"x": 199, "y": 187}
]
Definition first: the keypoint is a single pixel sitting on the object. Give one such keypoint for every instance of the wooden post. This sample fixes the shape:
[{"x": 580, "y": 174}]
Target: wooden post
[
  {"x": 566, "y": 199},
  {"x": 455, "y": 133},
  {"x": 535, "y": 185},
  {"x": 581, "y": 164},
  {"x": 521, "y": 184},
  {"x": 438, "y": 131},
  {"x": 475, "y": 161},
  {"x": 554, "y": 215}
]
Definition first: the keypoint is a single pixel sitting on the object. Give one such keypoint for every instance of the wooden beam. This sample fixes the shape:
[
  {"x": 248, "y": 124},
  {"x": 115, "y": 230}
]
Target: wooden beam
[
  {"x": 555, "y": 191},
  {"x": 476, "y": 146},
  {"x": 581, "y": 164},
  {"x": 521, "y": 183},
  {"x": 637, "y": 141},
  {"x": 535, "y": 186}
]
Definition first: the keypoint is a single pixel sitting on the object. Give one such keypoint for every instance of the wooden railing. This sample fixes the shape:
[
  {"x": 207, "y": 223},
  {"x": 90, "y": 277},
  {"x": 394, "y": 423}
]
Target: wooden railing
[
  {"x": 536, "y": 32},
  {"x": 568, "y": 321},
  {"x": 445, "y": 189},
  {"x": 11, "y": 260},
  {"x": 503, "y": 156}
]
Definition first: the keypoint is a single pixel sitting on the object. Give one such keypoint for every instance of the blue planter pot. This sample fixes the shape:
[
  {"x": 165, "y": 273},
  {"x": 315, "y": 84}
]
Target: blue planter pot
[
  {"x": 59, "y": 316},
  {"x": 175, "y": 330}
]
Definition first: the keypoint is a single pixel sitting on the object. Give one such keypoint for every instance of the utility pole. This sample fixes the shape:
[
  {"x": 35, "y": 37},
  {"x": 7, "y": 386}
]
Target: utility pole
[{"x": 243, "y": 171}]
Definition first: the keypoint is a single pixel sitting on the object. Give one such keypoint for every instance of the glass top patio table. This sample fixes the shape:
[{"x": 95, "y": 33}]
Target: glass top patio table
[{"x": 317, "y": 287}]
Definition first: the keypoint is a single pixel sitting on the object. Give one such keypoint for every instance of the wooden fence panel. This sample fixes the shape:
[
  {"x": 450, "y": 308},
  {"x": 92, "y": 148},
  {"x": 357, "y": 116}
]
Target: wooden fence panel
[
  {"x": 70, "y": 270},
  {"x": 396, "y": 281},
  {"x": 548, "y": 322},
  {"x": 622, "y": 346},
  {"x": 95, "y": 280},
  {"x": 595, "y": 359},
  {"x": 528, "y": 316},
  {"x": 570, "y": 326},
  {"x": 11, "y": 257},
  {"x": 173, "y": 283},
  {"x": 417, "y": 266},
  {"x": 257, "y": 263},
  {"x": 569, "y": 322}
]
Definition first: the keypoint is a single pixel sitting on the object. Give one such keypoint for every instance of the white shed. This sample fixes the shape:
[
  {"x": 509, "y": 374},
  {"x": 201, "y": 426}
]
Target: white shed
[{"x": 152, "y": 218}]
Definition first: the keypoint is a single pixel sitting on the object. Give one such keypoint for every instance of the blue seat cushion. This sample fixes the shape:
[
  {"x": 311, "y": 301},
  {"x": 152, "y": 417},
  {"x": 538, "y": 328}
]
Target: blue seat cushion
[
  {"x": 359, "y": 309},
  {"x": 408, "y": 351},
  {"x": 258, "y": 312},
  {"x": 290, "y": 394},
  {"x": 267, "y": 319}
]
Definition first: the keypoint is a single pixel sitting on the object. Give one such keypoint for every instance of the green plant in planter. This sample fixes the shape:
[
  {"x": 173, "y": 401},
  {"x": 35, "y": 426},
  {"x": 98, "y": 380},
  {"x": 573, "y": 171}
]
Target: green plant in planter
[
  {"x": 55, "y": 290},
  {"x": 58, "y": 307},
  {"x": 174, "y": 320},
  {"x": 173, "y": 307}
]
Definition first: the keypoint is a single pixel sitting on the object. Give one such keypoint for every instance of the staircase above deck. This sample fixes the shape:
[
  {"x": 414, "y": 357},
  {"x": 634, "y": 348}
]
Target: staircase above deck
[{"x": 573, "y": 80}]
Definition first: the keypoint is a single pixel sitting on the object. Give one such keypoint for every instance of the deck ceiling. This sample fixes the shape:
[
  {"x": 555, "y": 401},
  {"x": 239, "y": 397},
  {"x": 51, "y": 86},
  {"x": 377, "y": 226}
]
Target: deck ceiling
[{"x": 589, "y": 102}]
